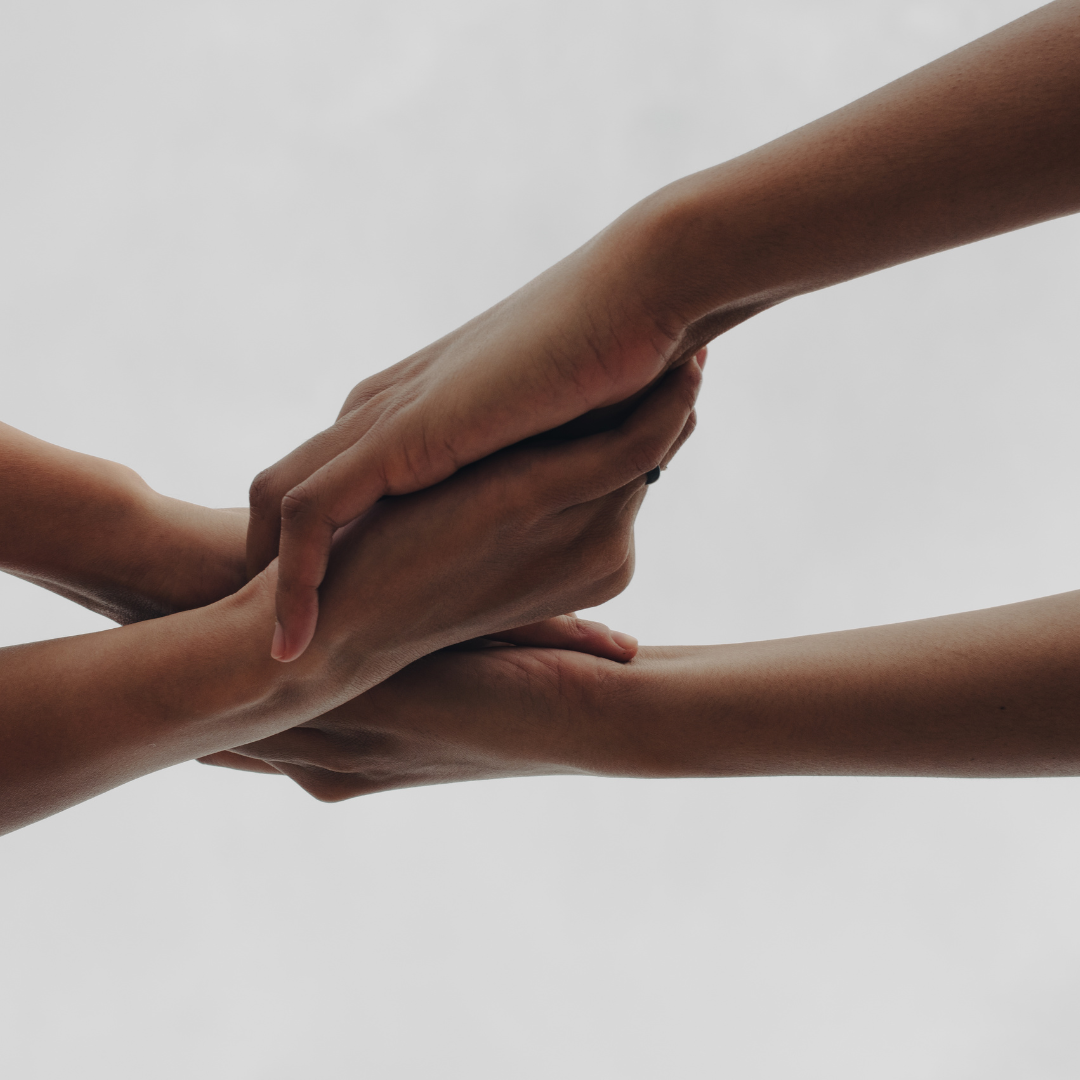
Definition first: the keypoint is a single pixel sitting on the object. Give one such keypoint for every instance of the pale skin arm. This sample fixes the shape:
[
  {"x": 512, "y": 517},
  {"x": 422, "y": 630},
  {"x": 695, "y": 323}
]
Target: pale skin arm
[
  {"x": 993, "y": 693},
  {"x": 982, "y": 141}
]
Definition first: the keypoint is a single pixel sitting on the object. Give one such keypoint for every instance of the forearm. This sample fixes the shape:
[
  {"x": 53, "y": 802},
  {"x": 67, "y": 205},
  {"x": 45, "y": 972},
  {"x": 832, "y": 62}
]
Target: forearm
[
  {"x": 94, "y": 532},
  {"x": 979, "y": 142},
  {"x": 984, "y": 693},
  {"x": 84, "y": 714}
]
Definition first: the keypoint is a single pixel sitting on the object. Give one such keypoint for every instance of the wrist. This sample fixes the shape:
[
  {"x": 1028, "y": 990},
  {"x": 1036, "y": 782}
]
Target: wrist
[
  {"x": 633, "y": 709},
  {"x": 233, "y": 690},
  {"x": 93, "y": 531},
  {"x": 178, "y": 555},
  {"x": 140, "y": 698},
  {"x": 76, "y": 516},
  {"x": 704, "y": 263},
  {"x": 250, "y": 684},
  {"x": 682, "y": 711}
]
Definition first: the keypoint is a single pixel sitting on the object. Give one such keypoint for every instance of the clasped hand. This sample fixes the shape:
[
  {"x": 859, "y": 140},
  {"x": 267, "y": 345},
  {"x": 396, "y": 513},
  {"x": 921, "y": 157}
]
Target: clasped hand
[{"x": 500, "y": 551}]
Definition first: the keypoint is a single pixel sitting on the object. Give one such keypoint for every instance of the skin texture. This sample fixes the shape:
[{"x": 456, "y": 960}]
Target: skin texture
[
  {"x": 94, "y": 532},
  {"x": 506, "y": 543},
  {"x": 982, "y": 141},
  {"x": 983, "y": 694}
]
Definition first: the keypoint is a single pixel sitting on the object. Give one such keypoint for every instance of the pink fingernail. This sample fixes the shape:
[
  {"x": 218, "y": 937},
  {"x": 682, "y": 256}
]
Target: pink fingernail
[
  {"x": 624, "y": 641},
  {"x": 277, "y": 649}
]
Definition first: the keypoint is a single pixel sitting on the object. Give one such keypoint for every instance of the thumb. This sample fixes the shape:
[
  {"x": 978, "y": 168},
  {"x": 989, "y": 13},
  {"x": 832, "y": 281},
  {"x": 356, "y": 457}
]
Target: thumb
[{"x": 574, "y": 634}]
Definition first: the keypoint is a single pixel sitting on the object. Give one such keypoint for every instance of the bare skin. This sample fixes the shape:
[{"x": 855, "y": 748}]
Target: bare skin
[
  {"x": 983, "y": 694},
  {"x": 95, "y": 532},
  {"x": 980, "y": 142},
  {"x": 510, "y": 542}
]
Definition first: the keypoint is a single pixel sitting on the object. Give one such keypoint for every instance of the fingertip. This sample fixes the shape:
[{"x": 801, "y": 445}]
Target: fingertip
[
  {"x": 610, "y": 644},
  {"x": 287, "y": 647},
  {"x": 701, "y": 356},
  {"x": 279, "y": 649},
  {"x": 696, "y": 371}
]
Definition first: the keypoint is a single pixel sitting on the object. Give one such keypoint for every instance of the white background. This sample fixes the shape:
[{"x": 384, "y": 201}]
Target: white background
[{"x": 215, "y": 217}]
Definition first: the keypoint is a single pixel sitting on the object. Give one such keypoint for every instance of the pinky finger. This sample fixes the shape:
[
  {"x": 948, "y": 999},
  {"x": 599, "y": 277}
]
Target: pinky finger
[{"x": 226, "y": 759}]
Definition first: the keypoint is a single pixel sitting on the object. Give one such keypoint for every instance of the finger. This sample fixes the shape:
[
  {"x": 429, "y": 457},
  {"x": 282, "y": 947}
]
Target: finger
[
  {"x": 687, "y": 431},
  {"x": 228, "y": 760},
  {"x": 273, "y": 484},
  {"x": 297, "y": 746},
  {"x": 574, "y": 634},
  {"x": 311, "y": 512},
  {"x": 323, "y": 784},
  {"x": 331, "y": 787},
  {"x": 592, "y": 467},
  {"x": 342, "y": 490},
  {"x": 691, "y": 421}
]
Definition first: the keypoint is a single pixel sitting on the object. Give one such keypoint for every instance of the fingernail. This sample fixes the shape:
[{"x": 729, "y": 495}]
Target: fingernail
[
  {"x": 277, "y": 649},
  {"x": 624, "y": 641},
  {"x": 702, "y": 356}
]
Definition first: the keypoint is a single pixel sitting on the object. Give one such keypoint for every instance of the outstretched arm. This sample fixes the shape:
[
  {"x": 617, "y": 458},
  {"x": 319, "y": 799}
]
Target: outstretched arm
[
  {"x": 95, "y": 532},
  {"x": 516, "y": 539},
  {"x": 980, "y": 142},
  {"x": 984, "y": 140},
  {"x": 989, "y": 693}
]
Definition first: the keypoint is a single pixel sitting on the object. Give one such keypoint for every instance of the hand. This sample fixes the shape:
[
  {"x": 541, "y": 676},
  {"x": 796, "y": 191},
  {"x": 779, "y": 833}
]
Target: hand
[
  {"x": 981, "y": 693},
  {"x": 977, "y": 143},
  {"x": 576, "y": 339},
  {"x": 520, "y": 537},
  {"x": 456, "y": 715}
]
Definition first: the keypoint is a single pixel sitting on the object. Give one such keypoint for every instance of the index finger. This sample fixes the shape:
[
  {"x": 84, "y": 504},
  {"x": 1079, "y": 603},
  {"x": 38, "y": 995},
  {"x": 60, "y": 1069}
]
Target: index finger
[
  {"x": 311, "y": 512},
  {"x": 272, "y": 484}
]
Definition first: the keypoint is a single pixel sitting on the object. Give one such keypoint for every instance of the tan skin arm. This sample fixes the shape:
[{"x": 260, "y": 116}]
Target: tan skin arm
[
  {"x": 510, "y": 542},
  {"x": 983, "y": 694},
  {"x": 94, "y": 532},
  {"x": 984, "y": 140}
]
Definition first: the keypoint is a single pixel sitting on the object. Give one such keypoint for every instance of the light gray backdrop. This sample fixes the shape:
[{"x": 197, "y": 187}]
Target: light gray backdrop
[{"x": 215, "y": 217}]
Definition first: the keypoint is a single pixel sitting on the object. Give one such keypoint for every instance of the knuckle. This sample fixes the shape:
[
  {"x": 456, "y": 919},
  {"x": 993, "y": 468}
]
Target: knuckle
[
  {"x": 609, "y": 555},
  {"x": 337, "y": 760},
  {"x": 645, "y": 454},
  {"x": 572, "y": 629},
  {"x": 297, "y": 505},
  {"x": 609, "y": 587},
  {"x": 262, "y": 494},
  {"x": 691, "y": 387},
  {"x": 621, "y": 577},
  {"x": 600, "y": 593},
  {"x": 363, "y": 753},
  {"x": 328, "y": 786},
  {"x": 579, "y": 629}
]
